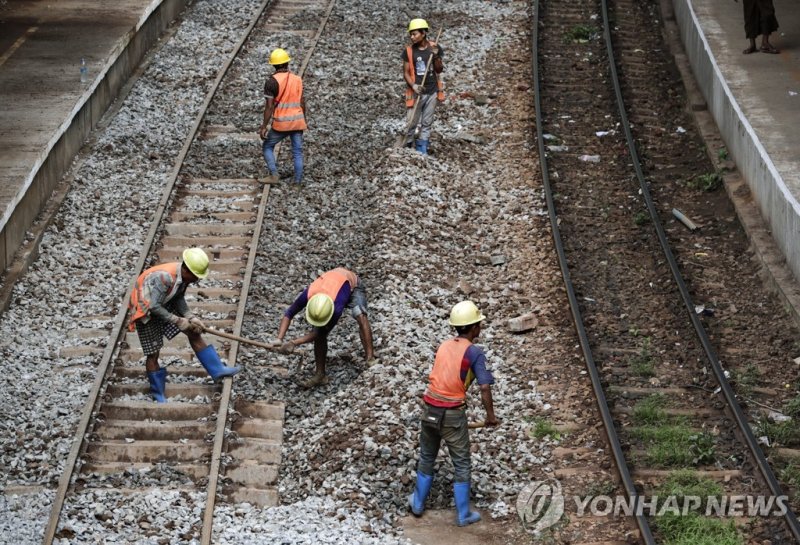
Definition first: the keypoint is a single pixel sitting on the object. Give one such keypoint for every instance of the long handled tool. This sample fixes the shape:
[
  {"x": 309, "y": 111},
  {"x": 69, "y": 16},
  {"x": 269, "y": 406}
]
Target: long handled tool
[
  {"x": 233, "y": 337},
  {"x": 401, "y": 139}
]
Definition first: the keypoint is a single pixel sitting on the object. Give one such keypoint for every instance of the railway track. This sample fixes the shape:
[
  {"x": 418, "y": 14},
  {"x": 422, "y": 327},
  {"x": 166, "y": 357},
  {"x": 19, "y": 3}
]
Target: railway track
[
  {"x": 644, "y": 343},
  {"x": 204, "y": 438}
]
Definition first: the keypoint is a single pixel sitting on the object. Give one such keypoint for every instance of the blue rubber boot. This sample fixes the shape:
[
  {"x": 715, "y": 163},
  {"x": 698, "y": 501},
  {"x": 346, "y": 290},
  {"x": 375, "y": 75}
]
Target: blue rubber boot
[
  {"x": 210, "y": 359},
  {"x": 463, "y": 515},
  {"x": 157, "y": 380},
  {"x": 416, "y": 501},
  {"x": 422, "y": 147}
]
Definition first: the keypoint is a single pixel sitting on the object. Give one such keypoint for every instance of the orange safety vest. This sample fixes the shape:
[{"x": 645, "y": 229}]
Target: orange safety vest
[
  {"x": 139, "y": 305},
  {"x": 445, "y": 382},
  {"x": 412, "y": 74},
  {"x": 331, "y": 282},
  {"x": 288, "y": 112}
]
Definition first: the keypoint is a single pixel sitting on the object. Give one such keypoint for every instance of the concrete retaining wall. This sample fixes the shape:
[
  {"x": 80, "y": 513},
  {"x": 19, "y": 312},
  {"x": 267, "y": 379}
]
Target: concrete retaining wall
[
  {"x": 778, "y": 206},
  {"x": 69, "y": 138}
]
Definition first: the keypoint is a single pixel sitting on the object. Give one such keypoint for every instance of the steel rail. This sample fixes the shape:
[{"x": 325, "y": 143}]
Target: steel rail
[
  {"x": 206, "y": 534},
  {"x": 726, "y": 390},
  {"x": 104, "y": 367},
  {"x": 594, "y": 374}
]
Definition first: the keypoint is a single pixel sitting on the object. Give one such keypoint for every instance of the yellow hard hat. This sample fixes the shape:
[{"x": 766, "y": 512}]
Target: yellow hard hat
[
  {"x": 418, "y": 24},
  {"x": 319, "y": 310},
  {"x": 196, "y": 261},
  {"x": 465, "y": 313},
  {"x": 279, "y": 56}
]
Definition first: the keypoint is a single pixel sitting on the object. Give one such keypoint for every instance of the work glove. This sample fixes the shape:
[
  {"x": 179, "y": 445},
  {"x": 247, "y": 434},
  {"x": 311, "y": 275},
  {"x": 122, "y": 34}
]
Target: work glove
[
  {"x": 183, "y": 324},
  {"x": 417, "y": 88},
  {"x": 196, "y": 325},
  {"x": 286, "y": 348},
  {"x": 275, "y": 341},
  {"x": 436, "y": 51}
]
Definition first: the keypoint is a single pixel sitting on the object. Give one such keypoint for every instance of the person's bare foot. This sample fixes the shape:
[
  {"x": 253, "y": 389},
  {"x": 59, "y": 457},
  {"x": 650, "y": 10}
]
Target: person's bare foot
[
  {"x": 769, "y": 48},
  {"x": 751, "y": 49}
]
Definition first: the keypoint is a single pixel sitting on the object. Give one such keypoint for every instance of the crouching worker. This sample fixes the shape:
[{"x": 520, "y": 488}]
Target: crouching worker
[
  {"x": 457, "y": 363},
  {"x": 325, "y": 299},
  {"x": 158, "y": 309}
]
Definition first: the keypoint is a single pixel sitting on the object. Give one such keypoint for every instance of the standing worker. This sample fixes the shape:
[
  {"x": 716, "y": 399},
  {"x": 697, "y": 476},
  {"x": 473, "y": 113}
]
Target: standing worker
[
  {"x": 457, "y": 363},
  {"x": 420, "y": 58},
  {"x": 286, "y": 107},
  {"x": 325, "y": 299},
  {"x": 158, "y": 309},
  {"x": 759, "y": 18}
]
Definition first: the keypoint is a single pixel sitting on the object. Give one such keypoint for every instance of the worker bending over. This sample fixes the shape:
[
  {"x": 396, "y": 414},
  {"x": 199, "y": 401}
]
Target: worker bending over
[
  {"x": 158, "y": 309},
  {"x": 324, "y": 300}
]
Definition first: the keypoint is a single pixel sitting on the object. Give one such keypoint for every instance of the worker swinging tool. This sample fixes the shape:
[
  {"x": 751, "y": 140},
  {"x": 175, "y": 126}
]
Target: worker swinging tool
[
  {"x": 422, "y": 64},
  {"x": 158, "y": 309}
]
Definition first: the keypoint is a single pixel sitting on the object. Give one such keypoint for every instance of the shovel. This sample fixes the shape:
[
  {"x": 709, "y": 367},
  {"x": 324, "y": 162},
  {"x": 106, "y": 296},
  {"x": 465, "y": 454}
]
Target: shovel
[{"x": 401, "y": 139}]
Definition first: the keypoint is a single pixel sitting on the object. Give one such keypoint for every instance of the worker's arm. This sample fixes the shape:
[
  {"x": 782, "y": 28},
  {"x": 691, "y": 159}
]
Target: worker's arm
[
  {"x": 488, "y": 404},
  {"x": 438, "y": 65},
  {"x": 269, "y": 107}
]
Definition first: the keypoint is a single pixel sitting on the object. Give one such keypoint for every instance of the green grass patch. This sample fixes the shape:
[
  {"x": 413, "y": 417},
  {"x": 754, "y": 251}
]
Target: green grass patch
[
  {"x": 686, "y": 482},
  {"x": 792, "y": 407},
  {"x": 580, "y": 34},
  {"x": 642, "y": 363},
  {"x": 543, "y": 428},
  {"x": 745, "y": 379},
  {"x": 779, "y": 433},
  {"x": 706, "y": 182},
  {"x": 790, "y": 473},
  {"x": 675, "y": 444},
  {"x": 641, "y": 218},
  {"x": 722, "y": 153},
  {"x": 650, "y": 411},
  {"x": 694, "y": 529}
]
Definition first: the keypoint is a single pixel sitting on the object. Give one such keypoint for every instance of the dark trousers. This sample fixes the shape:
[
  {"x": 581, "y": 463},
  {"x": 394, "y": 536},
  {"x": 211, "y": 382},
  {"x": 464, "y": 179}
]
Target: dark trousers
[{"x": 454, "y": 431}]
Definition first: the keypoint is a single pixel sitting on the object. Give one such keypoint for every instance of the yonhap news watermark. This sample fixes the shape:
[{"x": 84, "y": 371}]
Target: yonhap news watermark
[{"x": 541, "y": 504}]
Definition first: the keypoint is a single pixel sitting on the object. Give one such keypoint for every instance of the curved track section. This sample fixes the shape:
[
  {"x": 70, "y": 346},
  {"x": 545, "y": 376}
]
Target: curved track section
[{"x": 622, "y": 301}]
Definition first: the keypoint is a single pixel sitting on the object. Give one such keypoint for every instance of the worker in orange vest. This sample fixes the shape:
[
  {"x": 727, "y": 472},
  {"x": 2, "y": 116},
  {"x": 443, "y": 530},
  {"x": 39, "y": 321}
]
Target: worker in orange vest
[
  {"x": 458, "y": 362},
  {"x": 325, "y": 300},
  {"x": 286, "y": 107},
  {"x": 421, "y": 60},
  {"x": 158, "y": 309}
]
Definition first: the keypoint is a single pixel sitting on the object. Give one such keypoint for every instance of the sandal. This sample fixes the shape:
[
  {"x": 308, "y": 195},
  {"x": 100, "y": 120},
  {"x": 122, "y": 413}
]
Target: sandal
[
  {"x": 316, "y": 380},
  {"x": 751, "y": 49},
  {"x": 769, "y": 48}
]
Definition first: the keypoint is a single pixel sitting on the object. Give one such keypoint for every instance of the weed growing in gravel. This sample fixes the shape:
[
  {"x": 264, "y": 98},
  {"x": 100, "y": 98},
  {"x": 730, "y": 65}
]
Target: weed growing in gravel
[
  {"x": 642, "y": 363},
  {"x": 641, "y": 218},
  {"x": 650, "y": 411},
  {"x": 722, "y": 153},
  {"x": 778, "y": 433},
  {"x": 790, "y": 474},
  {"x": 792, "y": 407},
  {"x": 694, "y": 529},
  {"x": 745, "y": 379},
  {"x": 686, "y": 482},
  {"x": 543, "y": 428},
  {"x": 580, "y": 34},
  {"x": 604, "y": 487},
  {"x": 706, "y": 182}
]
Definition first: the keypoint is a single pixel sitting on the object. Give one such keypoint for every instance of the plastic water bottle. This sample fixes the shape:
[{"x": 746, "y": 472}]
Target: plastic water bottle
[{"x": 84, "y": 70}]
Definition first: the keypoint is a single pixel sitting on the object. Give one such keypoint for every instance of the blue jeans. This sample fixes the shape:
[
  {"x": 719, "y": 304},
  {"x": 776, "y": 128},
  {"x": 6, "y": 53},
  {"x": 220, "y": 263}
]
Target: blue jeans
[
  {"x": 273, "y": 137},
  {"x": 455, "y": 433}
]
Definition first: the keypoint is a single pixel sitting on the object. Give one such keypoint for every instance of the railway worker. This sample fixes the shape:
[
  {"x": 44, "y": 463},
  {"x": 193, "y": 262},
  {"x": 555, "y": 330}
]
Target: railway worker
[
  {"x": 285, "y": 105},
  {"x": 457, "y": 363},
  {"x": 158, "y": 309},
  {"x": 420, "y": 58},
  {"x": 324, "y": 301}
]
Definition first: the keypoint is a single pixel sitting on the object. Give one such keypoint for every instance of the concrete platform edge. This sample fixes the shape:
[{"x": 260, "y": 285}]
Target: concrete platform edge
[
  {"x": 778, "y": 207},
  {"x": 776, "y": 271},
  {"x": 65, "y": 144}
]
